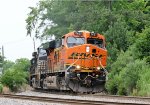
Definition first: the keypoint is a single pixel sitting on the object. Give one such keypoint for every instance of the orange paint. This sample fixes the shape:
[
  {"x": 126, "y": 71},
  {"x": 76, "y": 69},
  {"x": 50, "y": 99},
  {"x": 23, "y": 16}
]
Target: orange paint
[{"x": 86, "y": 55}]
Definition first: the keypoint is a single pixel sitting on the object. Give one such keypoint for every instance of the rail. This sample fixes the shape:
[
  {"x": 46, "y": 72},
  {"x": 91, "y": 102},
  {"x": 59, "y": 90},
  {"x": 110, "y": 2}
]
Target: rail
[{"x": 103, "y": 100}]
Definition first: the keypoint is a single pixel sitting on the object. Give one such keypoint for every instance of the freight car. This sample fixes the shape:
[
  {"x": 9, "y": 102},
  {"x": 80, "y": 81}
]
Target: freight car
[{"x": 75, "y": 62}]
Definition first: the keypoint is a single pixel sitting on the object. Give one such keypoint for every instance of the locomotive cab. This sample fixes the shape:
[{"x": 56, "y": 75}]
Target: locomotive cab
[{"x": 85, "y": 60}]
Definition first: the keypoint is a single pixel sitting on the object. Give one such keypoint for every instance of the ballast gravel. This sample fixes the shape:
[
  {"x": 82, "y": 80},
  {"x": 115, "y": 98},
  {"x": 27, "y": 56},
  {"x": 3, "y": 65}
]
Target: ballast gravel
[
  {"x": 83, "y": 97},
  {"x": 8, "y": 101}
]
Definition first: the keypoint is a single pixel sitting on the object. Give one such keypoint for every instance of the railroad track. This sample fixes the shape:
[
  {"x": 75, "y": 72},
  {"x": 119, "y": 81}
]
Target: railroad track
[{"x": 103, "y": 100}]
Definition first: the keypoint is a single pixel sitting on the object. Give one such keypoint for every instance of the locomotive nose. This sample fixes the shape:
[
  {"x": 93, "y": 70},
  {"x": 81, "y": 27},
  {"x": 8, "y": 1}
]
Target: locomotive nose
[{"x": 86, "y": 56}]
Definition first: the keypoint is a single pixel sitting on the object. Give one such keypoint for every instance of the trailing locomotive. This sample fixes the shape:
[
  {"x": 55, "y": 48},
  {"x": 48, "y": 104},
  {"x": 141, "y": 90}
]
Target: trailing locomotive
[{"x": 75, "y": 62}]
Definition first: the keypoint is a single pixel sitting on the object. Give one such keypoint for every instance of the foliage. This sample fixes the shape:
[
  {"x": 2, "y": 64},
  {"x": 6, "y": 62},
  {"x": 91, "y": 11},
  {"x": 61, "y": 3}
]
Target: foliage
[
  {"x": 22, "y": 64},
  {"x": 116, "y": 68},
  {"x": 60, "y": 17},
  {"x": 15, "y": 74},
  {"x": 7, "y": 64},
  {"x": 1, "y": 88},
  {"x": 13, "y": 78},
  {"x": 143, "y": 44},
  {"x": 143, "y": 84},
  {"x": 127, "y": 74},
  {"x": 1, "y": 61},
  {"x": 131, "y": 74}
]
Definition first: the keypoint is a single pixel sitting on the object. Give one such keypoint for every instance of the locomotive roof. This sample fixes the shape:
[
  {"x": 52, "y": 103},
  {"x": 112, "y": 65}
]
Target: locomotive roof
[
  {"x": 85, "y": 34},
  {"x": 51, "y": 44}
]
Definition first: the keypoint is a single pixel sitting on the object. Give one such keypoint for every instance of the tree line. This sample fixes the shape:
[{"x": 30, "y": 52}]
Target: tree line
[{"x": 124, "y": 23}]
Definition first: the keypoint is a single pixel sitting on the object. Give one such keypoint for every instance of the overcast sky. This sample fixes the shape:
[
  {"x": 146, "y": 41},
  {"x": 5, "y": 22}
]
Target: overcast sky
[{"x": 12, "y": 28}]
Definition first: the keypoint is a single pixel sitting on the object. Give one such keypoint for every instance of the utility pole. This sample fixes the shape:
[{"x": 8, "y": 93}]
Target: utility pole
[
  {"x": 3, "y": 52},
  {"x": 1, "y": 59},
  {"x": 34, "y": 44}
]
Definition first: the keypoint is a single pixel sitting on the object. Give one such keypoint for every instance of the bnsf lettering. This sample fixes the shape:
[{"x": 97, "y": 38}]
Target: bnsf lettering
[{"x": 83, "y": 55}]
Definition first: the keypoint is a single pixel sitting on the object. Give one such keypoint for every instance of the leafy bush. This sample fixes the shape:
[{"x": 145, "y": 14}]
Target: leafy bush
[
  {"x": 142, "y": 44},
  {"x": 1, "y": 88},
  {"x": 7, "y": 64},
  {"x": 14, "y": 78},
  {"x": 22, "y": 64},
  {"x": 143, "y": 84},
  {"x": 129, "y": 75},
  {"x": 15, "y": 73},
  {"x": 112, "y": 85},
  {"x": 117, "y": 67}
]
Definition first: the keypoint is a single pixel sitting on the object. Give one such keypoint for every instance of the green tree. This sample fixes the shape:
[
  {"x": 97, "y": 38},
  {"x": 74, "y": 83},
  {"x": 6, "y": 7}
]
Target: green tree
[
  {"x": 1, "y": 88},
  {"x": 22, "y": 64},
  {"x": 13, "y": 79},
  {"x": 143, "y": 44},
  {"x": 1, "y": 61},
  {"x": 115, "y": 79},
  {"x": 127, "y": 73},
  {"x": 59, "y": 17},
  {"x": 16, "y": 73},
  {"x": 7, "y": 64}
]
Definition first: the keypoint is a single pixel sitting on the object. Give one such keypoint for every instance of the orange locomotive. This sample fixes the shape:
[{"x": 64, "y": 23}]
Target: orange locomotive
[{"x": 75, "y": 62}]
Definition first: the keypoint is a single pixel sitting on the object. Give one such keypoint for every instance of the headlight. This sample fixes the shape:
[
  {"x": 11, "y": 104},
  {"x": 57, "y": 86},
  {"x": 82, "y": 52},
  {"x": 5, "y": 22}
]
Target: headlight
[
  {"x": 98, "y": 68},
  {"x": 87, "y": 49},
  {"x": 97, "y": 76},
  {"x": 78, "y": 75},
  {"x": 78, "y": 67}
]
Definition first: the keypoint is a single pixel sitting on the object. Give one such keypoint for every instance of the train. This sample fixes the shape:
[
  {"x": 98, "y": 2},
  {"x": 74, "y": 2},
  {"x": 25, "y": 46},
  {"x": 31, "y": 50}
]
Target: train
[{"x": 75, "y": 62}]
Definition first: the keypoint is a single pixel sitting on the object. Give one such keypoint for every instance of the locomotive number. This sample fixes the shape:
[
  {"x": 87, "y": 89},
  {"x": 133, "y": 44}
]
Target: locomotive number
[{"x": 75, "y": 55}]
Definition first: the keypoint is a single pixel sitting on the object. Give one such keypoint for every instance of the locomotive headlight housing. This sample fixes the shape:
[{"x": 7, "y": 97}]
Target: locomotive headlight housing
[
  {"x": 92, "y": 34},
  {"x": 87, "y": 49},
  {"x": 97, "y": 75},
  {"x": 78, "y": 67},
  {"x": 78, "y": 75},
  {"x": 78, "y": 33},
  {"x": 98, "y": 68}
]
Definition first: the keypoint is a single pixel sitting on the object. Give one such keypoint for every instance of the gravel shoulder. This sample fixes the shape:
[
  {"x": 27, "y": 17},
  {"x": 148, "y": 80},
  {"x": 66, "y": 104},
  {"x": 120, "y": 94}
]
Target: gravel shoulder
[
  {"x": 7, "y": 101},
  {"x": 84, "y": 97}
]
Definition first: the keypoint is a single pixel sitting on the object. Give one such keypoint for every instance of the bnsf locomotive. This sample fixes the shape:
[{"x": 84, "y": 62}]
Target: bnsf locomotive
[{"x": 75, "y": 62}]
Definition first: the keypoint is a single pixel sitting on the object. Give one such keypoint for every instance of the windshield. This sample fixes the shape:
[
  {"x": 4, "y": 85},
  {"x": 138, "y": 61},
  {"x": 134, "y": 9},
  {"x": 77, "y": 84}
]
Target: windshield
[
  {"x": 74, "y": 41},
  {"x": 42, "y": 52},
  {"x": 97, "y": 42}
]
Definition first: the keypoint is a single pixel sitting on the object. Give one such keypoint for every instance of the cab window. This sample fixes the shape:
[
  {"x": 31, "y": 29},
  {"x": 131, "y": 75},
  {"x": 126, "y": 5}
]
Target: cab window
[
  {"x": 42, "y": 52},
  {"x": 94, "y": 41},
  {"x": 74, "y": 41}
]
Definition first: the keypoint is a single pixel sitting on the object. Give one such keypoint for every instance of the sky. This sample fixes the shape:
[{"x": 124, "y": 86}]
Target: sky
[{"x": 13, "y": 29}]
